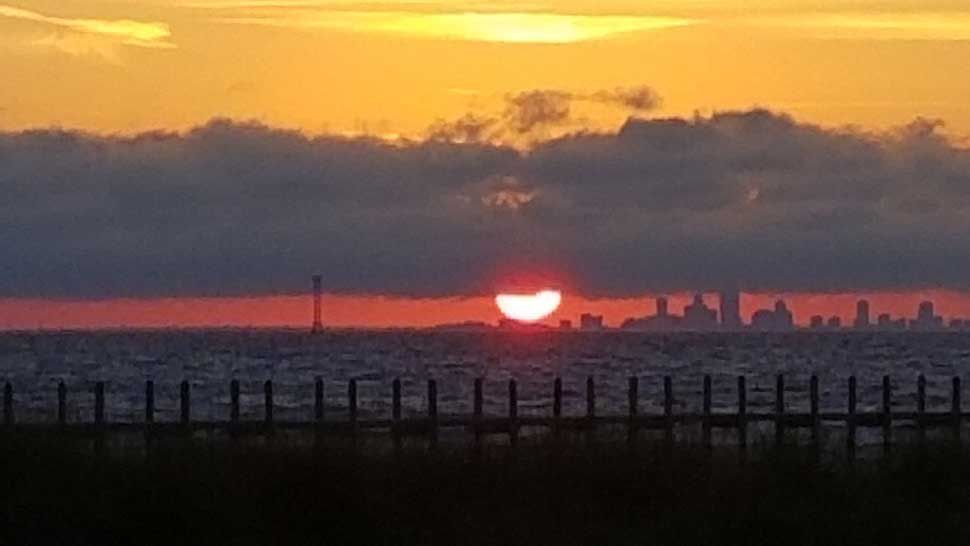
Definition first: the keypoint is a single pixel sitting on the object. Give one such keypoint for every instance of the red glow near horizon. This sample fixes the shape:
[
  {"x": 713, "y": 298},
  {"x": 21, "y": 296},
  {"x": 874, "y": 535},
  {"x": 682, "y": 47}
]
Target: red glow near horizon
[{"x": 387, "y": 312}]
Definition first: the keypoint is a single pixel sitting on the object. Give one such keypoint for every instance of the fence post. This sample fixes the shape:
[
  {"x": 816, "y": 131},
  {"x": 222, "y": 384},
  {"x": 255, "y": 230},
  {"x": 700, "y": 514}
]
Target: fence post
[
  {"x": 433, "y": 412},
  {"x": 850, "y": 419},
  {"x": 149, "y": 402},
  {"x": 185, "y": 404},
  {"x": 590, "y": 408},
  {"x": 557, "y": 407},
  {"x": 352, "y": 408},
  {"x": 955, "y": 408},
  {"x": 149, "y": 415},
  {"x": 668, "y": 412},
  {"x": 706, "y": 421},
  {"x": 61, "y": 403},
  {"x": 99, "y": 403},
  {"x": 921, "y": 407},
  {"x": 8, "y": 404},
  {"x": 779, "y": 410},
  {"x": 813, "y": 408},
  {"x": 633, "y": 395},
  {"x": 268, "y": 402},
  {"x": 513, "y": 413},
  {"x": 742, "y": 413},
  {"x": 396, "y": 412},
  {"x": 233, "y": 407},
  {"x": 478, "y": 404},
  {"x": 99, "y": 416},
  {"x": 887, "y": 414},
  {"x": 319, "y": 406}
]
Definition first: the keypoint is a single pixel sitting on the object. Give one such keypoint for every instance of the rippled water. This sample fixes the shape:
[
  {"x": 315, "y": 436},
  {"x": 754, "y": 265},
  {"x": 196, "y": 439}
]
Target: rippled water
[{"x": 34, "y": 363}]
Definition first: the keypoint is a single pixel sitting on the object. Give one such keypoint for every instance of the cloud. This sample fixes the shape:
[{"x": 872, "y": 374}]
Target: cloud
[
  {"x": 468, "y": 128},
  {"x": 925, "y": 25},
  {"x": 534, "y": 113},
  {"x": 640, "y": 98},
  {"x": 749, "y": 198},
  {"x": 470, "y": 25},
  {"x": 526, "y": 111},
  {"x": 123, "y": 31}
]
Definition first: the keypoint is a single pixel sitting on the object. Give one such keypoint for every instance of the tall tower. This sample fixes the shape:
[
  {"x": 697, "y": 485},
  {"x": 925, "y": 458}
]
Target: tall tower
[
  {"x": 317, "y": 315},
  {"x": 661, "y": 307},
  {"x": 862, "y": 315},
  {"x": 730, "y": 309}
]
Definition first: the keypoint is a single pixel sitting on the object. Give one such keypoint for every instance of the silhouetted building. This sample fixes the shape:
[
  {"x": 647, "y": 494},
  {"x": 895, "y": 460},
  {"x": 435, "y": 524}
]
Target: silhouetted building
[
  {"x": 835, "y": 323},
  {"x": 730, "y": 307},
  {"x": 779, "y": 320},
  {"x": 886, "y": 322},
  {"x": 817, "y": 322},
  {"x": 698, "y": 316},
  {"x": 862, "y": 321},
  {"x": 663, "y": 321},
  {"x": 590, "y": 322},
  {"x": 763, "y": 319},
  {"x": 317, "y": 306},
  {"x": 957, "y": 324},
  {"x": 565, "y": 325},
  {"x": 783, "y": 317},
  {"x": 926, "y": 318}
]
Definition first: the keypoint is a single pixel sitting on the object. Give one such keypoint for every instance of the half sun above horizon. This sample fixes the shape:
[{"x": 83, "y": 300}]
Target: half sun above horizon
[{"x": 529, "y": 307}]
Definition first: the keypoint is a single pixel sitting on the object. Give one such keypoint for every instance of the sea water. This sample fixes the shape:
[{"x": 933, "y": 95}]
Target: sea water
[{"x": 34, "y": 363}]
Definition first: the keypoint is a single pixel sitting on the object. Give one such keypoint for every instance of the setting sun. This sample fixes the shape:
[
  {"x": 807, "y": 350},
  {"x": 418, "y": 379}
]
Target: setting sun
[{"x": 529, "y": 307}]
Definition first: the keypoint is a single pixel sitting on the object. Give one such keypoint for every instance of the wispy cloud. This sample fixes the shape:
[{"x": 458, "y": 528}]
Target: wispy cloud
[
  {"x": 874, "y": 26},
  {"x": 536, "y": 115},
  {"x": 511, "y": 27},
  {"x": 124, "y": 31}
]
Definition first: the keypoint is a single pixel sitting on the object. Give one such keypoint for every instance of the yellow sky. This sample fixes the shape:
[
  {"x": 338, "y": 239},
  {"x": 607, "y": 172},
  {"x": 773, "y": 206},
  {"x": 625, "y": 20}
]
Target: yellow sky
[{"x": 395, "y": 66}]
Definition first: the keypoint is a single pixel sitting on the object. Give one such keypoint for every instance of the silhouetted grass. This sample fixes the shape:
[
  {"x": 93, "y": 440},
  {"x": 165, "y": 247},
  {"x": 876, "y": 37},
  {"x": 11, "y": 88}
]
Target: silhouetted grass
[{"x": 541, "y": 495}]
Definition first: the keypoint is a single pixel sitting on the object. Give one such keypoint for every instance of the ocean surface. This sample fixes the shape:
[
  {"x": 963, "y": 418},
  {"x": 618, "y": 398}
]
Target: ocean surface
[{"x": 34, "y": 363}]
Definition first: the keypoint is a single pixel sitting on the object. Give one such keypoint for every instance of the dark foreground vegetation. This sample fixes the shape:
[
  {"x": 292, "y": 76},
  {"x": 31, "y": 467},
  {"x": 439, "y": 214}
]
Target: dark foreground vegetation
[{"x": 50, "y": 494}]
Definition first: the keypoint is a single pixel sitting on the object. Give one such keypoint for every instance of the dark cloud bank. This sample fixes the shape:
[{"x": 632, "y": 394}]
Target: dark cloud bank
[{"x": 753, "y": 199}]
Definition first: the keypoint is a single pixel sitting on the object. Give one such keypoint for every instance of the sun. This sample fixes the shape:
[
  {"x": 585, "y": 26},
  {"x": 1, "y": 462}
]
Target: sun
[{"x": 529, "y": 307}]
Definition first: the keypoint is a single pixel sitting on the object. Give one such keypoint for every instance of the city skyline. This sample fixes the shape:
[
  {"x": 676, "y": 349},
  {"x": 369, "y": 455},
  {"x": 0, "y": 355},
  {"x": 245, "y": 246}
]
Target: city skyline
[
  {"x": 452, "y": 151},
  {"x": 697, "y": 316},
  {"x": 341, "y": 312}
]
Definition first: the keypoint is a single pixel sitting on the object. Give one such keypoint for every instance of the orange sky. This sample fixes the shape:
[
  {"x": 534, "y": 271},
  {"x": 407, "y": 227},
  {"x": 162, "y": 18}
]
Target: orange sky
[
  {"x": 393, "y": 68},
  {"x": 378, "y": 312}
]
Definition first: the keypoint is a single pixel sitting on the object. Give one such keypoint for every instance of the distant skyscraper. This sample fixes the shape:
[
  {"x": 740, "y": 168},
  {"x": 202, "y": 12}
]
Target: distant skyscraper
[
  {"x": 779, "y": 319},
  {"x": 763, "y": 319},
  {"x": 835, "y": 323},
  {"x": 317, "y": 312},
  {"x": 590, "y": 322},
  {"x": 730, "y": 309},
  {"x": 662, "y": 321},
  {"x": 862, "y": 315},
  {"x": 784, "y": 320},
  {"x": 698, "y": 316},
  {"x": 926, "y": 318},
  {"x": 818, "y": 321}
]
